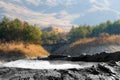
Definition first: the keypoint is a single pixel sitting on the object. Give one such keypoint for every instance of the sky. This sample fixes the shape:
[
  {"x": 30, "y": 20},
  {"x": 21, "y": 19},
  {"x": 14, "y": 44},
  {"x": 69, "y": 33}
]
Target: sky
[{"x": 61, "y": 13}]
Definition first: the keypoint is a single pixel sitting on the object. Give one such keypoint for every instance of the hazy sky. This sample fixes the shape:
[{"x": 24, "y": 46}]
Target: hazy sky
[{"x": 62, "y": 13}]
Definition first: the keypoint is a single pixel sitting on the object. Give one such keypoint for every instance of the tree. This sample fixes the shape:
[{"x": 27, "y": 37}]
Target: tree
[
  {"x": 32, "y": 34},
  {"x": 114, "y": 28},
  {"x": 90, "y": 30},
  {"x": 78, "y": 32},
  {"x": 16, "y": 30}
]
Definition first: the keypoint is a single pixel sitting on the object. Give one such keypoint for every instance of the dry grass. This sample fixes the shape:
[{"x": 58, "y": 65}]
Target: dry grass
[
  {"x": 83, "y": 41},
  {"x": 112, "y": 39},
  {"x": 28, "y": 50}
]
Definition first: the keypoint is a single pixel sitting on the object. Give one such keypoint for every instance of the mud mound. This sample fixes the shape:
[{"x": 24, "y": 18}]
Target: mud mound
[
  {"x": 98, "y": 57},
  {"x": 91, "y": 46},
  {"x": 101, "y": 57}
]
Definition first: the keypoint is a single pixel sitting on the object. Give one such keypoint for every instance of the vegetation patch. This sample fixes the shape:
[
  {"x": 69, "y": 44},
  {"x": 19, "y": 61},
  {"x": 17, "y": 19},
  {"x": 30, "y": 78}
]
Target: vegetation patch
[{"x": 17, "y": 50}]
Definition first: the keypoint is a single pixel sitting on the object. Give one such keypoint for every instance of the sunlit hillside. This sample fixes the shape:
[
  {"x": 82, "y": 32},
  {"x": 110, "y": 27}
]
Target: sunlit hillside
[
  {"x": 55, "y": 30},
  {"x": 18, "y": 50}
]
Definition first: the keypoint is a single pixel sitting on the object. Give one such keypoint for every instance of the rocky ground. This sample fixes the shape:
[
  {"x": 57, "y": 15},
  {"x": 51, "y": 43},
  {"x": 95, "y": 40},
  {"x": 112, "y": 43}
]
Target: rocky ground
[
  {"x": 102, "y": 71},
  {"x": 98, "y": 57},
  {"x": 103, "y": 66}
]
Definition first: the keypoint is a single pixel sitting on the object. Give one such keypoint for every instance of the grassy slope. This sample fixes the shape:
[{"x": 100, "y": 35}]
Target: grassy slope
[
  {"x": 16, "y": 50},
  {"x": 86, "y": 43}
]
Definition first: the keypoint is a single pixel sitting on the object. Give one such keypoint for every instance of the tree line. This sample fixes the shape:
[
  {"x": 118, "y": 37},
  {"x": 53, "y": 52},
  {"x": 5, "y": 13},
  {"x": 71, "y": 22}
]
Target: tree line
[
  {"x": 49, "y": 38},
  {"x": 16, "y": 30},
  {"x": 84, "y": 31}
]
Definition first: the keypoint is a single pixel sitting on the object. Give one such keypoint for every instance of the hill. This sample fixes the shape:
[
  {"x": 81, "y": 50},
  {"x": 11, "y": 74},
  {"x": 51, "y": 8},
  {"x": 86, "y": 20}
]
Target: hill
[
  {"x": 91, "y": 46},
  {"x": 55, "y": 30},
  {"x": 19, "y": 50}
]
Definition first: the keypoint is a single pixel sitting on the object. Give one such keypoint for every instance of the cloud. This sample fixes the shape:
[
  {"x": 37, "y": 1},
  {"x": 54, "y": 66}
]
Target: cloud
[
  {"x": 62, "y": 18},
  {"x": 34, "y": 2},
  {"x": 22, "y": 2},
  {"x": 70, "y": 2},
  {"x": 99, "y": 5},
  {"x": 49, "y": 3},
  {"x": 18, "y": 1},
  {"x": 102, "y": 5},
  {"x": 53, "y": 3},
  {"x": 65, "y": 16}
]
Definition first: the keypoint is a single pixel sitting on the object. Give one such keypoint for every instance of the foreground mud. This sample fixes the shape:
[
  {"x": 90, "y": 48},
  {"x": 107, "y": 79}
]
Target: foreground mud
[
  {"x": 103, "y": 66},
  {"x": 100, "y": 71}
]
